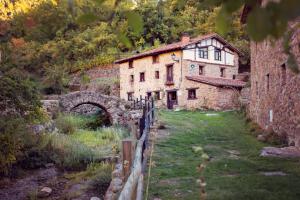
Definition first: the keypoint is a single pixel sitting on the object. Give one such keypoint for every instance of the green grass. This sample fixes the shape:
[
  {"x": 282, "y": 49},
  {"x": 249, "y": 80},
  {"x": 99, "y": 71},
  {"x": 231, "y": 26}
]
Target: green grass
[{"x": 174, "y": 174}]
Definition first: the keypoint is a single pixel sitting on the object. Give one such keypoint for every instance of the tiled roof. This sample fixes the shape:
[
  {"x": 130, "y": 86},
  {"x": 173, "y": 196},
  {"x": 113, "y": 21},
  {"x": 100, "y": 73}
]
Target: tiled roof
[
  {"x": 217, "y": 81},
  {"x": 177, "y": 46}
]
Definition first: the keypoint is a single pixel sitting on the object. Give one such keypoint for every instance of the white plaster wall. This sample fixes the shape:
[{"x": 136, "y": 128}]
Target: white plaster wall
[{"x": 192, "y": 52}]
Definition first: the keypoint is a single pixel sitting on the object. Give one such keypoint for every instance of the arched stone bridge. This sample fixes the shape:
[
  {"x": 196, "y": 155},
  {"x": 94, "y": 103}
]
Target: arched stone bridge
[{"x": 118, "y": 110}]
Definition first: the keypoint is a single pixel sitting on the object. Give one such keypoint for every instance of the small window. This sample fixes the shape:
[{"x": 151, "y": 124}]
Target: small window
[
  {"x": 217, "y": 54},
  {"x": 283, "y": 74},
  {"x": 268, "y": 82},
  {"x": 142, "y": 77},
  {"x": 149, "y": 94},
  {"x": 203, "y": 53},
  {"x": 256, "y": 88},
  {"x": 157, "y": 95},
  {"x": 155, "y": 59},
  {"x": 131, "y": 79},
  {"x": 157, "y": 74},
  {"x": 130, "y": 96},
  {"x": 130, "y": 64},
  {"x": 201, "y": 70},
  {"x": 233, "y": 76},
  {"x": 192, "y": 94},
  {"x": 222, "y": 72}
]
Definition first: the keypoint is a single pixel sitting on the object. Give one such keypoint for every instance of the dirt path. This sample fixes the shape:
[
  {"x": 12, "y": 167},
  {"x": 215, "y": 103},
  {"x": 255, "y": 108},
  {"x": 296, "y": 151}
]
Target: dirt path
[{"x": 29, "y": 186}]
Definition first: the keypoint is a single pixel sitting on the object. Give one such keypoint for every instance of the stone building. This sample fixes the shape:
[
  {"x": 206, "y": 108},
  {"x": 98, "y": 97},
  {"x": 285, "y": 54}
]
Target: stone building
[
  {"x": 191, "y": 73},
  {"x": 275, "y": 88}
]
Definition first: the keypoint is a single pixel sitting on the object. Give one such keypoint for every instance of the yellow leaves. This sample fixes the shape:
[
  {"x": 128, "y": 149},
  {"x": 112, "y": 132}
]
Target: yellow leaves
[{"x": 18, "y": 42}]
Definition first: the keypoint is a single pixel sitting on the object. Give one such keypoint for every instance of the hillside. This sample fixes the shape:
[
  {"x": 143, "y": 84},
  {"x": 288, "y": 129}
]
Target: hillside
[{"x": 49, "y": 40}]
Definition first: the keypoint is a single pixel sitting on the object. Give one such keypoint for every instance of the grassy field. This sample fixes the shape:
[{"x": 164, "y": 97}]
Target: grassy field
[{"x": 235, "y": 169}]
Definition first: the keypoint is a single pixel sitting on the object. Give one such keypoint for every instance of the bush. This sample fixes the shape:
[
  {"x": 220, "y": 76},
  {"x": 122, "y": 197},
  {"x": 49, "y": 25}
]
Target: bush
[
  {"x": 11, "y": 130},
  {"x": 66, "y": 124},
  {"x": 102, "y": 176}
]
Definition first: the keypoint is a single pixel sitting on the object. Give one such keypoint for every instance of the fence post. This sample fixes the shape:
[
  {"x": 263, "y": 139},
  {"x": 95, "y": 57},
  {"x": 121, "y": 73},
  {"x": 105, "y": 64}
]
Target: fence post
[
  {"x": 152, "y": 108},
  {"x": 134, "y": 131},
  {"x": 127, "y": 155}
]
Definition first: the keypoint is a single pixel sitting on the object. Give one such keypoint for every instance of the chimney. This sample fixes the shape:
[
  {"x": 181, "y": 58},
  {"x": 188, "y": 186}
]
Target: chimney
[{"x": 185, "y": 38}]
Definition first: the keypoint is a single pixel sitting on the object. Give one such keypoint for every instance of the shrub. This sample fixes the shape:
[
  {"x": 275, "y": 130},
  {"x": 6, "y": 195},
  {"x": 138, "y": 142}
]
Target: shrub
[
  {"x": 102, "y": 176},
  {"x": 11, "y": 130},
  {"x": 66, "y": 124}
]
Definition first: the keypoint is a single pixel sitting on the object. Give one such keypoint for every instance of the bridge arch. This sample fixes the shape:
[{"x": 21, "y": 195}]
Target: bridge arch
[{"x": 113, "y": 106}]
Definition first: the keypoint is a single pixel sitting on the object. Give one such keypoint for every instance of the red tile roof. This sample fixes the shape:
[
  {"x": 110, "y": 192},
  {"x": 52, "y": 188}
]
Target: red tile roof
[
  {"x": 177, "y": 46},
  {"x": 217, "y": 81}
]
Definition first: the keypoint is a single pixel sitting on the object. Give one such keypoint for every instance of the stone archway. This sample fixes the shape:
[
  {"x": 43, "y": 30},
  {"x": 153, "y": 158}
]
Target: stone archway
[{"x": 116, "y": 108}]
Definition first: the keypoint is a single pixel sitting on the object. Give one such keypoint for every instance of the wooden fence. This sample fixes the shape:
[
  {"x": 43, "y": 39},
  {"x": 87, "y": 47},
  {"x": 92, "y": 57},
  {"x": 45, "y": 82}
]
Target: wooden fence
[{"x": 134, "y": 152}]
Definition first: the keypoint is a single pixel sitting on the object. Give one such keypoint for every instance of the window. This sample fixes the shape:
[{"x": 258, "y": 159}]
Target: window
[
  {"x": 217, "y": 54},
  {"x": 131, "y": 79},
  {"x": 201, "y": 70},
  {"x": 283, "y": 74},
  {"x": 157, "y": 74},
  {"x": 222, "y": 72},
  {"x": 155, "y": 59},
  {"x": 149, "y": 94},
  {"x": 191, "y": 93},
  {"x": 233, "y": 76},
  {"x": 203, "y": 52},
  {"x": 130, "y": 96},
  {"x": 130, "y": 64},
  {"x": 256, "y": 88},
  {"x": 170, "y": 74},
  {"x": 157, "y": 95},
  {"x": 142, "y": 77},
  {"x": 268, "y": 82}
]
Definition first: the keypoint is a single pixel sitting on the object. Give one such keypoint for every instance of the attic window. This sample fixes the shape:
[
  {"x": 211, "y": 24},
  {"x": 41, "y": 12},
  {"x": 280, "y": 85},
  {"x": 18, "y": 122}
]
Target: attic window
[
  {"x": 218, "y": 54},
  {"x": 130, "y": 64},
  {"x": 155, "y": 59},
  {"x": 203, "y": 52}
]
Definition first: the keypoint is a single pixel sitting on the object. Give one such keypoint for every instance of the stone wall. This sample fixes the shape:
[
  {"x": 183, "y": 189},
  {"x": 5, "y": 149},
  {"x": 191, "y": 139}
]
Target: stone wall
[
  {"x": 275, "y": 88},
  {"x": 103, "y": 79},
  {"x": 86, "y": 109}
]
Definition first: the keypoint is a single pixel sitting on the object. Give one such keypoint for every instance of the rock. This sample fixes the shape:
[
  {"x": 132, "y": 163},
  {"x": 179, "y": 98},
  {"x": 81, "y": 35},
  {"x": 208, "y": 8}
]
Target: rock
[
  {"x": 95, "y": 198},
  {"x": 286, "y": 152},
  {"x": 276, "y": 173},
  {"x": 116, "y": 173},
  {"x": 37, "y": 129},
  {"x": 261, "y": 138},
  {"x": 49, "y": 165},
  {"x": 45, "y": 192},
  {"x": 116, "y": 185}
]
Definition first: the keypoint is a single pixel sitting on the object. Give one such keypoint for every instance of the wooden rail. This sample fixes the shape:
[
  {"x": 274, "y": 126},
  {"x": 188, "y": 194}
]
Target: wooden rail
[{"x": 133, "y": 188}]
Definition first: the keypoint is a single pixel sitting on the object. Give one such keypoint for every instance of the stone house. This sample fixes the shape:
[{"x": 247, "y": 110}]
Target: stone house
[
  {"x": 275, "y": 88},
  {"x": 191, "y": 73}
]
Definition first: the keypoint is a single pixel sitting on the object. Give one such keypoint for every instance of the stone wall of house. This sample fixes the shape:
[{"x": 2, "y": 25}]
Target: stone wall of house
[
  {"x": 275, "y": 88},
  {"x": 210, "y": 69},
  {"x": 228, "y": 98}
]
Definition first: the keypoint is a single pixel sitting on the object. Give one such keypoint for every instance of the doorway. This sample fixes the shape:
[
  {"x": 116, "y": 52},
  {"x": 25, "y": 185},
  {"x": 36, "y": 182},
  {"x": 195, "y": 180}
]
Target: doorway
[{"x": 172, "y": 99}]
